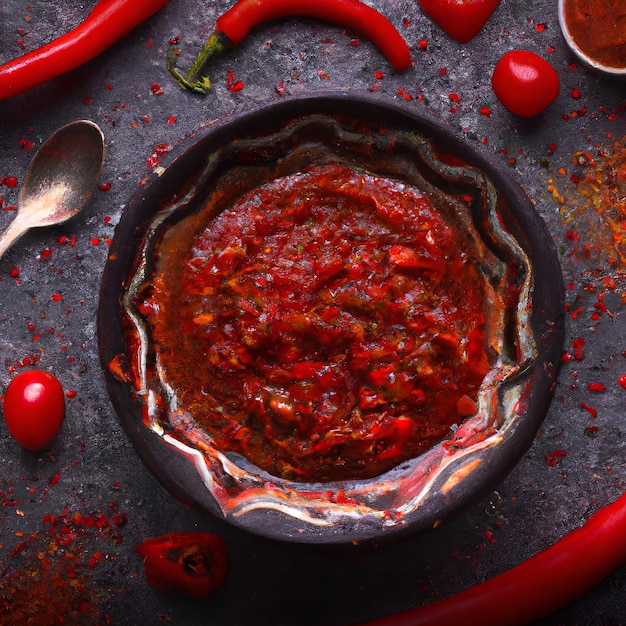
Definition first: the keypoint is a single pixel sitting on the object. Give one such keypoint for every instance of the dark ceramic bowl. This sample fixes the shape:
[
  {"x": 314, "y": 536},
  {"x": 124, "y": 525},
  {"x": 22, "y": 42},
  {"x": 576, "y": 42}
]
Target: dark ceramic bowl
[{"x": 390, "y": 140}]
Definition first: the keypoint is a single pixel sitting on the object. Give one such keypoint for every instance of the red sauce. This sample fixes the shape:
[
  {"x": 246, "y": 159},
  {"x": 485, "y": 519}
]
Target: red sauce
[
  {"x": 598, "y": 28},
  {"x": 328, "y": 325}
]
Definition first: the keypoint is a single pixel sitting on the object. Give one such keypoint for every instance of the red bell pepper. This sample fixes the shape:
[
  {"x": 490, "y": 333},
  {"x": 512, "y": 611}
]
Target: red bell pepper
[{"x": 193, "y": 564}]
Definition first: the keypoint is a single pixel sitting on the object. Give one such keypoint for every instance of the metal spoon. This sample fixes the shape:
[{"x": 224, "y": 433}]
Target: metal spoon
[{"x": 59, "y": 181}]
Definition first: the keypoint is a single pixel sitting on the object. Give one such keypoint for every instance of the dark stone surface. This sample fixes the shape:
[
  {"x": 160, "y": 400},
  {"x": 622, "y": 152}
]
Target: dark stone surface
[{"x": 91, "y": 472}]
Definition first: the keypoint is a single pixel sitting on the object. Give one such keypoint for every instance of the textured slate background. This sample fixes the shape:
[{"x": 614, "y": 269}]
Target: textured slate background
[{"x": 91, "y": 471}]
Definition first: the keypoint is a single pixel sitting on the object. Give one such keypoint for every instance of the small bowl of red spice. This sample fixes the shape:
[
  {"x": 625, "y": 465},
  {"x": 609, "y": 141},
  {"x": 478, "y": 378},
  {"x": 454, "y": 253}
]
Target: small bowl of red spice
[
  {"x": 595, "y": 31},
  {"x": 330, "y": 319}
]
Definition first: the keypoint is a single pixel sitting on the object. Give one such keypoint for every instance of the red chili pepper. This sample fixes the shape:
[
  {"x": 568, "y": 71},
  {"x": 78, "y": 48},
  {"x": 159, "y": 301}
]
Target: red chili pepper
[
  {"x": 233, "y": 26},
  {"x": 107, "y": 23},
  {"x": 537, "y": 587},
  {"x": 193, "y": 564}
]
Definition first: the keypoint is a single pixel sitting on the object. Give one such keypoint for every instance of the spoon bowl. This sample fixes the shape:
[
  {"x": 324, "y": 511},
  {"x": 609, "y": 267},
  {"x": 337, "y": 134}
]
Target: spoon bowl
[{"x": 59, "y": 181}]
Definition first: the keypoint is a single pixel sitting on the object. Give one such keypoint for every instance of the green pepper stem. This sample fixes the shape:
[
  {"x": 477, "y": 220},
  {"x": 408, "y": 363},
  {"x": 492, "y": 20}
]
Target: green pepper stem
[{"x": 194, "y": 79}]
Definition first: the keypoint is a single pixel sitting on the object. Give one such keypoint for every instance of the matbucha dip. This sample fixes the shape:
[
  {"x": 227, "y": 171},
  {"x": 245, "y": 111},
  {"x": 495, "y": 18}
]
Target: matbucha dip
[{"x": 329, "y": 325}]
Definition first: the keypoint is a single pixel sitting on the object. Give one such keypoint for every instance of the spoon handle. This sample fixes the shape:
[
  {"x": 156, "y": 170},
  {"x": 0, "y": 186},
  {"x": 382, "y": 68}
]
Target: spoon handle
[{"x": 13, "y": 232}]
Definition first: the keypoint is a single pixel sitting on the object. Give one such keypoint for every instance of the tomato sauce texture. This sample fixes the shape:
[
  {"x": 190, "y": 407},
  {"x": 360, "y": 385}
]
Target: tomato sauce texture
[
  {"x": 598, "y": 27},
  {"x": 328, "y": 325}
]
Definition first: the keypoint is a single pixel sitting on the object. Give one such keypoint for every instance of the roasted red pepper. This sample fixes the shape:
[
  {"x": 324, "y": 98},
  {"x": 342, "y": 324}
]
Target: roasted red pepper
[
  {"x": 193, "y": 564},
  {"x": 232, "y": 27},
  {"x": 461, "y": 19},
  {"x": 107, "y": 23},
  {"x": 538, "y": 587}
]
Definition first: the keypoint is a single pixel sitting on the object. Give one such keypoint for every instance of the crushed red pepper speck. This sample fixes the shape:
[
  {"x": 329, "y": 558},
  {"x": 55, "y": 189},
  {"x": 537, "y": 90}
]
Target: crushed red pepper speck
[
  {"x": 591, "y": 410},
  {"x": 233, "y": 84},
  {"x": 552, "y": 458},
  {"x": 596, "y": 387}
]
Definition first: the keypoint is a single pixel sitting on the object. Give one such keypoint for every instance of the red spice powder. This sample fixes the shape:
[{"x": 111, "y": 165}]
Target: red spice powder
[
  {"x": 598, "y": 205},
  {"x": 48, "y": 574}
]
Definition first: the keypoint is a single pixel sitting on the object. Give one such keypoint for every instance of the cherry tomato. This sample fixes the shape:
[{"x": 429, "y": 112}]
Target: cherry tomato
[
  {"x": 34, "y": 408},
  {"x": 525, "y": 83}
]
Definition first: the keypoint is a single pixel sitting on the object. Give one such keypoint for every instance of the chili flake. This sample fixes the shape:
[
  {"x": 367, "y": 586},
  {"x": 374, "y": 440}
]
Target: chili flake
[{"x": 554, "y": 457}]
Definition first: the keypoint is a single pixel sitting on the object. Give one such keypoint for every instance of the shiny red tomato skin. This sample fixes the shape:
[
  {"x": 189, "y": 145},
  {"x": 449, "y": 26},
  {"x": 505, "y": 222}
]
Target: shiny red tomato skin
[
  {"x": 34, "y": 408},
  {"x": 525, "y": 83}
]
